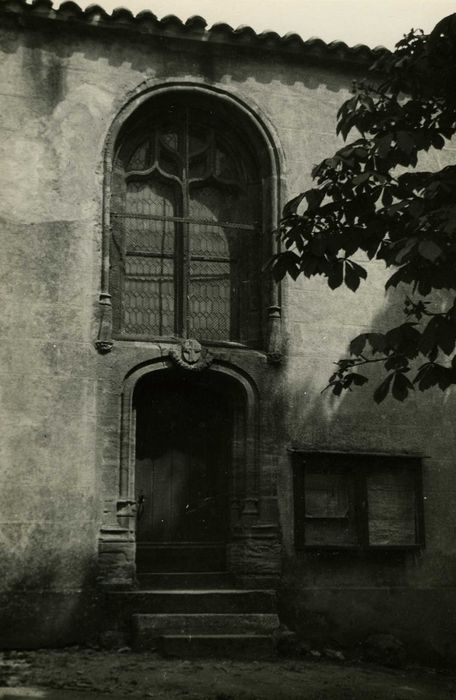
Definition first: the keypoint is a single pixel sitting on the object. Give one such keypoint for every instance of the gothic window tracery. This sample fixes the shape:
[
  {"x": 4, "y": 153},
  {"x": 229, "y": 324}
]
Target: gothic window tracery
[{"x": 186, "y": 246}]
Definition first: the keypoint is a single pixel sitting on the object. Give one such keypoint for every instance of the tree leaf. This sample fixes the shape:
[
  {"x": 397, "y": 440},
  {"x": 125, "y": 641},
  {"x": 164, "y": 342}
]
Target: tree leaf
[
  {"x": 359, "y": 269},
  {"x": 362, "y": 177},
  {"x": 397, "y": 362},
  {"x": 404, "y": 274},
  {"x": 446, "y": 336},
  {"x": 358, "y": 344},
  {"x": 359, "y": 379},
  {"x": 405, "y": 142},
  {"x": 377, "y": 341},
  {"x": 285, "y": 263},
  {"x": 416, "y": 208},
  {"x": 440, "y": 332},
  {"x": 429, "y": 337},
  {"x": 387, "y": 197},
  {"x": 404, "y": 339},
  {"x": 438, "y": 141},
  {"x": 314, "y": 198},
  {"x": 337, "y": 388},
  {"x": 382, "y": 390},
  {"x": 401, "y": 386},
  {"x": 432, "y": 374},
  {"x": 291, "y": 207},
  {"x": 336, "y": 275},
  {"x": 405, "y": 250},
  {"x": 383, "y": 145},
  {"x": 426, "y": 377},
  {"x": 352, "y": 278},
  {"x": 429, "y": 250}
]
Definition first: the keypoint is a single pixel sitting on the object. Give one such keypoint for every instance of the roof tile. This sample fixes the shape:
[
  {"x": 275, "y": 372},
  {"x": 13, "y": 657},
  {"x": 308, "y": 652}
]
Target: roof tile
[
  {"x": 196, "y": 23},
  {"x": 70, "y": 9},
  {"x": 195, "y": 28}
]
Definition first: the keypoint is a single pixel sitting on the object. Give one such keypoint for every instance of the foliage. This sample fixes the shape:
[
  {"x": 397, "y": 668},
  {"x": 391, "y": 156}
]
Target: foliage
[{"x": 371, "y": 198}]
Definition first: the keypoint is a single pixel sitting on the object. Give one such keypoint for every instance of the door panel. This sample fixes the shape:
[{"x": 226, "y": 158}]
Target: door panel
[{"x": 183, "y": 449}]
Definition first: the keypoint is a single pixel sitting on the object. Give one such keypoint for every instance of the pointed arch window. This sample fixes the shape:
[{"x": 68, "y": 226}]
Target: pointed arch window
[{"x": 186, "y": 245}]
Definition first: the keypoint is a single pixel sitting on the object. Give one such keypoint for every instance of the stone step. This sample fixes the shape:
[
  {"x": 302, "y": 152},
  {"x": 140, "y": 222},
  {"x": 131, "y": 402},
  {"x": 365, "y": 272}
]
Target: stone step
[
  {"x": 236, "y": 601},
  {"x": 146, "y": 628},
  {"x": 232, "y": 646},
  {"x": 207, "y": 580}
]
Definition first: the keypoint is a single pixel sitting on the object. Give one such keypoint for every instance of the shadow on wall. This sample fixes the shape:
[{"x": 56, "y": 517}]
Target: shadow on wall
[
  {"x": 210, "y": 61},
  {"x": 423, "y": 423},
  {"x": 33, "y": 614},
  {"x": 342, "y": 597}
]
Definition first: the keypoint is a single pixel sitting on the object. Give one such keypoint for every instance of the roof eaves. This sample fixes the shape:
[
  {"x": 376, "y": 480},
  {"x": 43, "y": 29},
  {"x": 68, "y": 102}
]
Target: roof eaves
[{"x": 195, "y": 28}]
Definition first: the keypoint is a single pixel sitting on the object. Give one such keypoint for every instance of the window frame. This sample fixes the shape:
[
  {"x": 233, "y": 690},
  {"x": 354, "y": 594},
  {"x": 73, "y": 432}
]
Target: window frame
[
  {"x": 357, "y": 466},
  {"x": 182, "y": 257}
]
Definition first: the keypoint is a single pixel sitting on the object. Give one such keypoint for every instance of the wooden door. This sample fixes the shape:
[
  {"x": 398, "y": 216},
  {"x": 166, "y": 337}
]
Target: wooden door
[{"x": 183, "y": 450}]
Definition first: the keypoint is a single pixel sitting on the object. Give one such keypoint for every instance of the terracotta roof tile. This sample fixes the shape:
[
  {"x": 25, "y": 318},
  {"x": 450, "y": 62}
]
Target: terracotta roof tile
[
  {"x": 196, "y": 23},
  {"x": 195, "y": 28}
]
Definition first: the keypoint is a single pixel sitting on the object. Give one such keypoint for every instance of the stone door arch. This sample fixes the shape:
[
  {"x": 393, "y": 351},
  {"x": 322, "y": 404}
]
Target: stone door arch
[{"x": 236, "y": 387}]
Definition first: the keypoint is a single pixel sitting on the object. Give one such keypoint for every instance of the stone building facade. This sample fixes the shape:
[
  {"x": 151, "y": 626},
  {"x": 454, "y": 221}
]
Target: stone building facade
[{"x": 145, "y": 164}]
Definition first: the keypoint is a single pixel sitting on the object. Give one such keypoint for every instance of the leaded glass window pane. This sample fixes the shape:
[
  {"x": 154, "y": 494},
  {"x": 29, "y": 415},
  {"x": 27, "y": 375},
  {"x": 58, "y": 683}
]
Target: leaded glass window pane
[{"x": 185, "y": 232}]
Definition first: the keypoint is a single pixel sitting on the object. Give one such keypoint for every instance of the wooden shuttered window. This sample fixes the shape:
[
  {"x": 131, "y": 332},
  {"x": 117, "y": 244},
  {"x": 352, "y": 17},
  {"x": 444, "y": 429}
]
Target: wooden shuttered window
[{"x": 357, "y": 501}]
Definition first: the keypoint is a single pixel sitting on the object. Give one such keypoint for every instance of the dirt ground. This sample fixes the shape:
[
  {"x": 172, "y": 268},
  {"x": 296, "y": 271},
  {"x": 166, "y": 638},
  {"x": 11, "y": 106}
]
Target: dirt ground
[{"x": 91, "y": 674}]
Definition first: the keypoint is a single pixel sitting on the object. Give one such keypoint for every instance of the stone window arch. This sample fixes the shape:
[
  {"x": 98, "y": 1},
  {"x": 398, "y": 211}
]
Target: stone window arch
[{"x": 191, "y": 203}]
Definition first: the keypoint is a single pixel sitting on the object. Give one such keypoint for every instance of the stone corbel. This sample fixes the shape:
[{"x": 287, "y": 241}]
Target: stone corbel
[
  {"x": 275, "y": 353},
  {"x": 126, "y": 513},
  {"x": 126, "y": 508},
  {"x": 104, "y": 342}
]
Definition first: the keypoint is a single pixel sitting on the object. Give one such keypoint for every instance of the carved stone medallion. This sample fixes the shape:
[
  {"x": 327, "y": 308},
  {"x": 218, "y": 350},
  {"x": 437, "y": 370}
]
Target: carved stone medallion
[
  {"x": 191, "y": 351},
  {"x": 191, "y": 355}
]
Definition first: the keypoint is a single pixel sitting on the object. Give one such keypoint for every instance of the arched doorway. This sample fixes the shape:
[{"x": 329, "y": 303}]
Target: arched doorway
[
  {"x": 162, "y": 405},
  {"x": 185, "y": 429}
]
